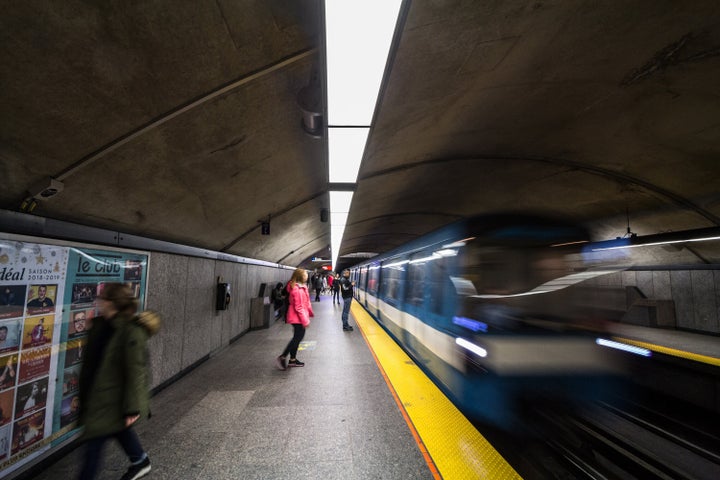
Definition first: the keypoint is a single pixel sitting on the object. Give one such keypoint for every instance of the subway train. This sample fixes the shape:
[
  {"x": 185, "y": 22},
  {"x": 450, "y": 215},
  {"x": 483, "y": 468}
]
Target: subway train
[{"x": 494, "y": 310}]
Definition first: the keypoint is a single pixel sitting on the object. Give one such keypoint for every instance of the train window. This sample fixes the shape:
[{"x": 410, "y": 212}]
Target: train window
[
  {"x": 442, "y": 291},
  {"x": 496, "y": 270},
  {"x": 415, "y": 288},
  {"x": 373, "y": 280},
  {"x": 363, "y": 278},
  {"x": 392, "y": 278},
  {"x": 503, "y": 271}
]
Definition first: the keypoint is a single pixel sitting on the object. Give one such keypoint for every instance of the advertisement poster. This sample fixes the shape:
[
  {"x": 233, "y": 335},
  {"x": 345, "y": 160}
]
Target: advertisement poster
[{"x": 48, "y": 297}]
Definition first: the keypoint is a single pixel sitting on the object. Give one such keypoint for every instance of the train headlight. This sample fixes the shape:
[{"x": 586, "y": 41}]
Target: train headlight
[
  {"x": 624, "y": 347},
  {"x": 467, "y": 345}
]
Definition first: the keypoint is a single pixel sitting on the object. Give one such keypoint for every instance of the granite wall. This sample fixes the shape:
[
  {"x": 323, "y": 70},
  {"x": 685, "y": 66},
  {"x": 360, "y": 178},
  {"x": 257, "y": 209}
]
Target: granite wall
[
  {"x": 182, "y": 290},
  {"x": 695, "y": 293}
]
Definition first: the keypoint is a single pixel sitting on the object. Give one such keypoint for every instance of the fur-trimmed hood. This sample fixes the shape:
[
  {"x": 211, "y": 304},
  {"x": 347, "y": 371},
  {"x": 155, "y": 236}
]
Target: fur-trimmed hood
[{"x": 149, "y": 320}]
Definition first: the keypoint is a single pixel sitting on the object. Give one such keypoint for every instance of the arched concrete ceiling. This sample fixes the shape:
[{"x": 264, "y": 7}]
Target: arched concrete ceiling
[{"x": 179, "y": 120}]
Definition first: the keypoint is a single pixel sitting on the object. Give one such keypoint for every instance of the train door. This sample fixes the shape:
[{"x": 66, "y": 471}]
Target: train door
[
  {"x": 391, "y": 295},
  {"x": 414, "y": 301},
  {"x": 441, "y": 294},
  {"x": 373, "y": 282},
  {"x": 362, "y": 283}
]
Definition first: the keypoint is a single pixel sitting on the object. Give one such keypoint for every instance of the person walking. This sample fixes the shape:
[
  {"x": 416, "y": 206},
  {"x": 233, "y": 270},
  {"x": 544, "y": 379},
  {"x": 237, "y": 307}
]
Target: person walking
[
  {"x": 114, "y": 380},
  {"x": 346, "y": 291},
  {"x": 298, "y": 315}
]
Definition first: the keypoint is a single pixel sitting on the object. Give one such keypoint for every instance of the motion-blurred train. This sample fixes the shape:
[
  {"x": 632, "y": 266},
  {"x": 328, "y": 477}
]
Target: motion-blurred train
[{"x": 494, "y": 310}]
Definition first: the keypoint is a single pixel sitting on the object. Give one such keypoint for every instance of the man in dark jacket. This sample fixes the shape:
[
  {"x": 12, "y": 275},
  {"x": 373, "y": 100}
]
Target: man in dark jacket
[
  {"x": 346, "y": 292},
  {"x": 317, "y": 284}
]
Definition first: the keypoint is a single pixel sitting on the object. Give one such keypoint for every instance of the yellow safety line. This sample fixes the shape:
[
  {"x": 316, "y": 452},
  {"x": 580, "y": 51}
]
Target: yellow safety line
[
  {"x": 454, "y": 445},
  {"x": 672, "y": 351}
]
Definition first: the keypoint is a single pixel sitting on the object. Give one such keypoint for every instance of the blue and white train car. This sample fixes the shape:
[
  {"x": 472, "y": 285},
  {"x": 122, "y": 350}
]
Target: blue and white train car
[{"x": 494, "y": 310}]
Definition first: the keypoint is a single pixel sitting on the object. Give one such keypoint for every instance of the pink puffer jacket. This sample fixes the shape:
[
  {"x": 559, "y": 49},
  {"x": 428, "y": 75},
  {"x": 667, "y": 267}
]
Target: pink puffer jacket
[{"x": 300, "y": 309}]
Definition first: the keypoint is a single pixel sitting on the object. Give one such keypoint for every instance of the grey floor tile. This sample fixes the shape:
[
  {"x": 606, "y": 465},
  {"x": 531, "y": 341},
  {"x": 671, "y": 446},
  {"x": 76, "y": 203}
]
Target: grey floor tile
[{"x": 236, "y": 416}]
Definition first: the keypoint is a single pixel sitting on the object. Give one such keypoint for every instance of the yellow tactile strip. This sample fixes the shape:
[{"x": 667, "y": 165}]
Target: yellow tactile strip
[
  {"x": 453, "y": 448},
  {"x": 671, "y": 351}
]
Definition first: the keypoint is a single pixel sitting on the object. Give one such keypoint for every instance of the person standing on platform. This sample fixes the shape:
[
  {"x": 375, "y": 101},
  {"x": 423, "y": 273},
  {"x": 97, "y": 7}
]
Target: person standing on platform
[
  {"x": 330, "y": 279},
  {"x": 346, "y": 291},
  {"x": 317, "y": 285},
  {"x": 336, "y": 289},
  {"x": 114, "y": 380},
  {"x": 298, "y": 315}
]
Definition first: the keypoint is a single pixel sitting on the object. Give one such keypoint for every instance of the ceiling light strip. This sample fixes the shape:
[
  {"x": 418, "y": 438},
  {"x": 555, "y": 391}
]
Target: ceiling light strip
[{"x": 358, "y": 36}]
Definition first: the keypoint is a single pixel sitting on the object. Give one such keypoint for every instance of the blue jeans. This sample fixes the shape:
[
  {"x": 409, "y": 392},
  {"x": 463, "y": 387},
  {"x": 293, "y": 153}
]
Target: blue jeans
[
  {"x": 129, "y": 442},
  {"x": 346, "y": 310}
]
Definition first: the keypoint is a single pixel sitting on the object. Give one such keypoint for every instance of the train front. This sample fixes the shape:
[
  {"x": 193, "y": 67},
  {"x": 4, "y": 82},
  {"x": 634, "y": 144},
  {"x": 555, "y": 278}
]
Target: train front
[{"x": 528, "y": 329}]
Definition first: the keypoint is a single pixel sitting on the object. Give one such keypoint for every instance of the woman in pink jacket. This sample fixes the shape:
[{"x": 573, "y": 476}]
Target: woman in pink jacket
[{"x": 298, "y": 314}]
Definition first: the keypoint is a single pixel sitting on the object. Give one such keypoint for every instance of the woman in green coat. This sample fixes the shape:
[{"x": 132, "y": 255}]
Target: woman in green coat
[{"x": 114, "y": 380}]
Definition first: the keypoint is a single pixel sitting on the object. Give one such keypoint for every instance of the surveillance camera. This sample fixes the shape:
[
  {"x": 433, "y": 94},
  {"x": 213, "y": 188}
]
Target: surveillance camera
[{"x": 46, "y": 189}]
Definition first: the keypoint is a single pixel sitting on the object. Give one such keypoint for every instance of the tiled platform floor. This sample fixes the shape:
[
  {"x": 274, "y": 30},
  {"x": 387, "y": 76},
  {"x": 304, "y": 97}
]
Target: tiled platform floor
[{"x": 237, "y": 417}]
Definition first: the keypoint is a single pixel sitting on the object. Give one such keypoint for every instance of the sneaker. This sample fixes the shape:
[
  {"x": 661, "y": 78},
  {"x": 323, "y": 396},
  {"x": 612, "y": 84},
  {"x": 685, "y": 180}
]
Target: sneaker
[
  {"x": 281, "y": 363},
  {"x": 296, "y": 363},
  {"x": 137, "y": 471},
  {"x": 348, "y": 328}
]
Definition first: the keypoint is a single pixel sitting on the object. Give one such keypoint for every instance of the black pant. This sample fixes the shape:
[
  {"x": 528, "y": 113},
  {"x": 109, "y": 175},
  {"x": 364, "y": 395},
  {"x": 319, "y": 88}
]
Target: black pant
[
  {"x": 317, "y": 294},
  {"x": 292, "y": 346},
  {"x": 129, "y": 442}
]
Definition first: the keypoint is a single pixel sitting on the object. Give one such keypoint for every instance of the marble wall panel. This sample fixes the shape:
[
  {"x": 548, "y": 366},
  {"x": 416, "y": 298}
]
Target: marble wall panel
[
  {"x": 704, "y": 301},
  {"x": 629, "y": 279},
  {"x": 645, "y": 283},
  {"x": 610, "y": 280},
  {"x": 167, "y": 284},
  {"x": 230, "y": 273},
  {"x": 200, "y": 320},
  {"x": 682, "y": 295},
  {"x": 662, "y": 285}
]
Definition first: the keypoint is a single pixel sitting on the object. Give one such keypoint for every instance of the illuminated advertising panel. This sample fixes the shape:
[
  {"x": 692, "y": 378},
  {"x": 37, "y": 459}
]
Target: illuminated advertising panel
[{"x": 48, "y": 299}]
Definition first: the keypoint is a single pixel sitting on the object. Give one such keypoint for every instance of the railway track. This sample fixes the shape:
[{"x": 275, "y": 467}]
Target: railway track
[{"x": 607, "y": 441}]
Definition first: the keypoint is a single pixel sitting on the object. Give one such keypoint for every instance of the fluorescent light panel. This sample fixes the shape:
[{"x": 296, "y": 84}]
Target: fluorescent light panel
[
  {"x": 336, "y": 234},
  {"x": 653, "y": 244},
  {"x": 358, "y": 35},
  {"x": 339, "y": 208},
  {"x": 340, "y": 201},
  {"x": 339, "y": 218},
  {"x": 345, "y": 148}
]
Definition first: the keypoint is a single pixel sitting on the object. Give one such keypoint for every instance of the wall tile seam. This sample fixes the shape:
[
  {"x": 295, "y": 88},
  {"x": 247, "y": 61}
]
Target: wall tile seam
[{"x": 184, "y": 314}]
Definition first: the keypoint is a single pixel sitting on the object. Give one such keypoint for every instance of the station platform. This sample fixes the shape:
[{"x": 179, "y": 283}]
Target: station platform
[
  {"x": 687, "y": 345},
  {"x": 358, "y": 409}
]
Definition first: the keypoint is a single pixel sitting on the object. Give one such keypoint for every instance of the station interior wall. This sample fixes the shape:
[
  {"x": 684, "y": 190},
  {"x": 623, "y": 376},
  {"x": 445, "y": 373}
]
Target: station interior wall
[
  {"x": 694, "y": 292},
  {"x": 182, "y": 290}
]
